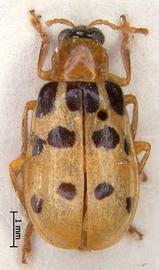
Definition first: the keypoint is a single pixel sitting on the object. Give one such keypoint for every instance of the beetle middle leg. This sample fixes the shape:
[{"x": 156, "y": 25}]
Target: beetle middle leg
[
  {"x": 139, "y": 148},
  {"x": 131, "y": 99},
  {"x": 29, "y": 106},
  {"x": 144, "y": 177},
  {"x": 16, "y": 165}
]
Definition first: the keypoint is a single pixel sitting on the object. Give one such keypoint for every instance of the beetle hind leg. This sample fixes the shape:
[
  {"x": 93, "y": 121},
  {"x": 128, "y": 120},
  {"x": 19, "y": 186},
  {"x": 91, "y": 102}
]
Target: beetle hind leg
[
  {"x": 17, "y": 180},
  {"x": 139, "y": 148},
  {"x": 27, "y": 243},
  {"x": 15, "y": 170},
  {"x": 134, "y": 230}
]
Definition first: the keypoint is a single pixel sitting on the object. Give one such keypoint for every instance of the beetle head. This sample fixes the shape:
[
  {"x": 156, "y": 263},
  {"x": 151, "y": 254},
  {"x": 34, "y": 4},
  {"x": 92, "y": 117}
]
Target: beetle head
[
  {"x": 80, "y": 55},
  {"x": 82, "y": 31}
]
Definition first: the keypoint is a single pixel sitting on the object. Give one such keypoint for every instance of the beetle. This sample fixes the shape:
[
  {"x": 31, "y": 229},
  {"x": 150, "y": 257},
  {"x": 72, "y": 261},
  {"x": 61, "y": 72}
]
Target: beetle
[{"x": 78, "y": 174}]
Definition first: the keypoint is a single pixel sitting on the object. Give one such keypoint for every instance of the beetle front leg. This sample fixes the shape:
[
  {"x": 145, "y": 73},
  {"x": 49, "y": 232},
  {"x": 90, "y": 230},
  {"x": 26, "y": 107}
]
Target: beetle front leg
[
  {"x": 44, "y": 75},
  {"x": 125, "y": 52},
  {"x": 131, "y": 99}
]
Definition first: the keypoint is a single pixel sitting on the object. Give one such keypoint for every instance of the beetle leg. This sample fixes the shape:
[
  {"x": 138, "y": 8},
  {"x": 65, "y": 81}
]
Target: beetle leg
[
  {"x": 30, "y": 105},
  {"x": 133, "y": 230},
  {"x": 144, "y": 177},
  {"x": 140, "y": 147},
  {"x": 131, "y": 99},
  {"x": 35, "y": 19},
  {"x": 27, "y": 243},
  {"x": 14, "y": 170},
  {"x": 16, "y": 165},
  {"x": 17, "y": 180},
  {"x": 125, "y": 53}
]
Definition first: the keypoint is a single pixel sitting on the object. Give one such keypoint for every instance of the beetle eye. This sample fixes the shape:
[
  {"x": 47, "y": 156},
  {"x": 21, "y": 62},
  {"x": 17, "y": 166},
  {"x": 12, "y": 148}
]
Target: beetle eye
[
  {"x": 82, "y": 32},
  {"x": 64, "y": 34},
  {"x": 96, "y": 34}
]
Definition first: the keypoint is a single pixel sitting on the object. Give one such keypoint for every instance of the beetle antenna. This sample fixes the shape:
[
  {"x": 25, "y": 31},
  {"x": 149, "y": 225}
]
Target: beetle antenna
[
  {"x": 61, "y": 21},
  {"x": 124, "y": 27}
]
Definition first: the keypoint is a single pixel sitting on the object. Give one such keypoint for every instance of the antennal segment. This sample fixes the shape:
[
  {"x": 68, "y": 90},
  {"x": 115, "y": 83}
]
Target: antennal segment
[
  {"x": 124, "y": 27},
  {"x": 61, "y": 21}
]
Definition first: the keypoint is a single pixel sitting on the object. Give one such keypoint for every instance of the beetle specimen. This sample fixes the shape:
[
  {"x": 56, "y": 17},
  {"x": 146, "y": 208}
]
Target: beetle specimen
[{"x": 78, "y": 174}]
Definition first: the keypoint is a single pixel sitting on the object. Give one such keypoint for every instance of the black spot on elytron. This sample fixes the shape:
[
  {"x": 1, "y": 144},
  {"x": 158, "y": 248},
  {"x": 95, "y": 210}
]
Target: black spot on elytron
[
  {"x": 67, "y": 190},
  {"x": 106, "y": 137},
  {"x": 46, "y": 99},
  {"x": 36, "y": 203},
  {"x": 73, "y": 96},
  {"x": 91, "y": 97},
  {"x": 76, "y": 91},
  {"x": 102, "y": 115},
  {"x": 129, "y": 203},
  {"x": 127, "y": 145},
  {"x": 61, "y": 137},
  {"x": 116, "y": 98},
  {"x": 38, "y": 145},
  {"x": 103, "y": 190}
]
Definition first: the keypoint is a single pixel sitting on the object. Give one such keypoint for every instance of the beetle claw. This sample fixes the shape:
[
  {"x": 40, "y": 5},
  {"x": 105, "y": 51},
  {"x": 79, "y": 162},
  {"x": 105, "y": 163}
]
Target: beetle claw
[
  {"x": 133, "y": 230},
  {"x": 26, "y": 254},
  {"x": 35, "y": 19}
]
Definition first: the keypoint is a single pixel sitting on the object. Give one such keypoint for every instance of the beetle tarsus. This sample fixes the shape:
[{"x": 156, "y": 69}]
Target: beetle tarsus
[
  {"x": 134, "y": 230},
  {"x": 123, "y": 27},
  {"x": 129, "y": 29},
  {"x": 144, "y": 177},
  {"x": 27, "y": 243},
  {"x": 35, "y": 19}
]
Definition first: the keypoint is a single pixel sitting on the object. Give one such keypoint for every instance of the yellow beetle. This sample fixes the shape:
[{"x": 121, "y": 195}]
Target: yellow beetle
[{"x": 78, "y": 173}]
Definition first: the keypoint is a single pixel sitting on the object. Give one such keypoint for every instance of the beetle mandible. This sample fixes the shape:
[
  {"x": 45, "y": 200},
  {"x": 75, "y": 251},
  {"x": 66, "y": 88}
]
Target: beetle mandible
[{"x": 78, "y": 174}]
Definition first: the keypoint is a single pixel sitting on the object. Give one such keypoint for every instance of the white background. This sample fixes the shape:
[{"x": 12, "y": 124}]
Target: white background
[{"x": 19, "y": 47}]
